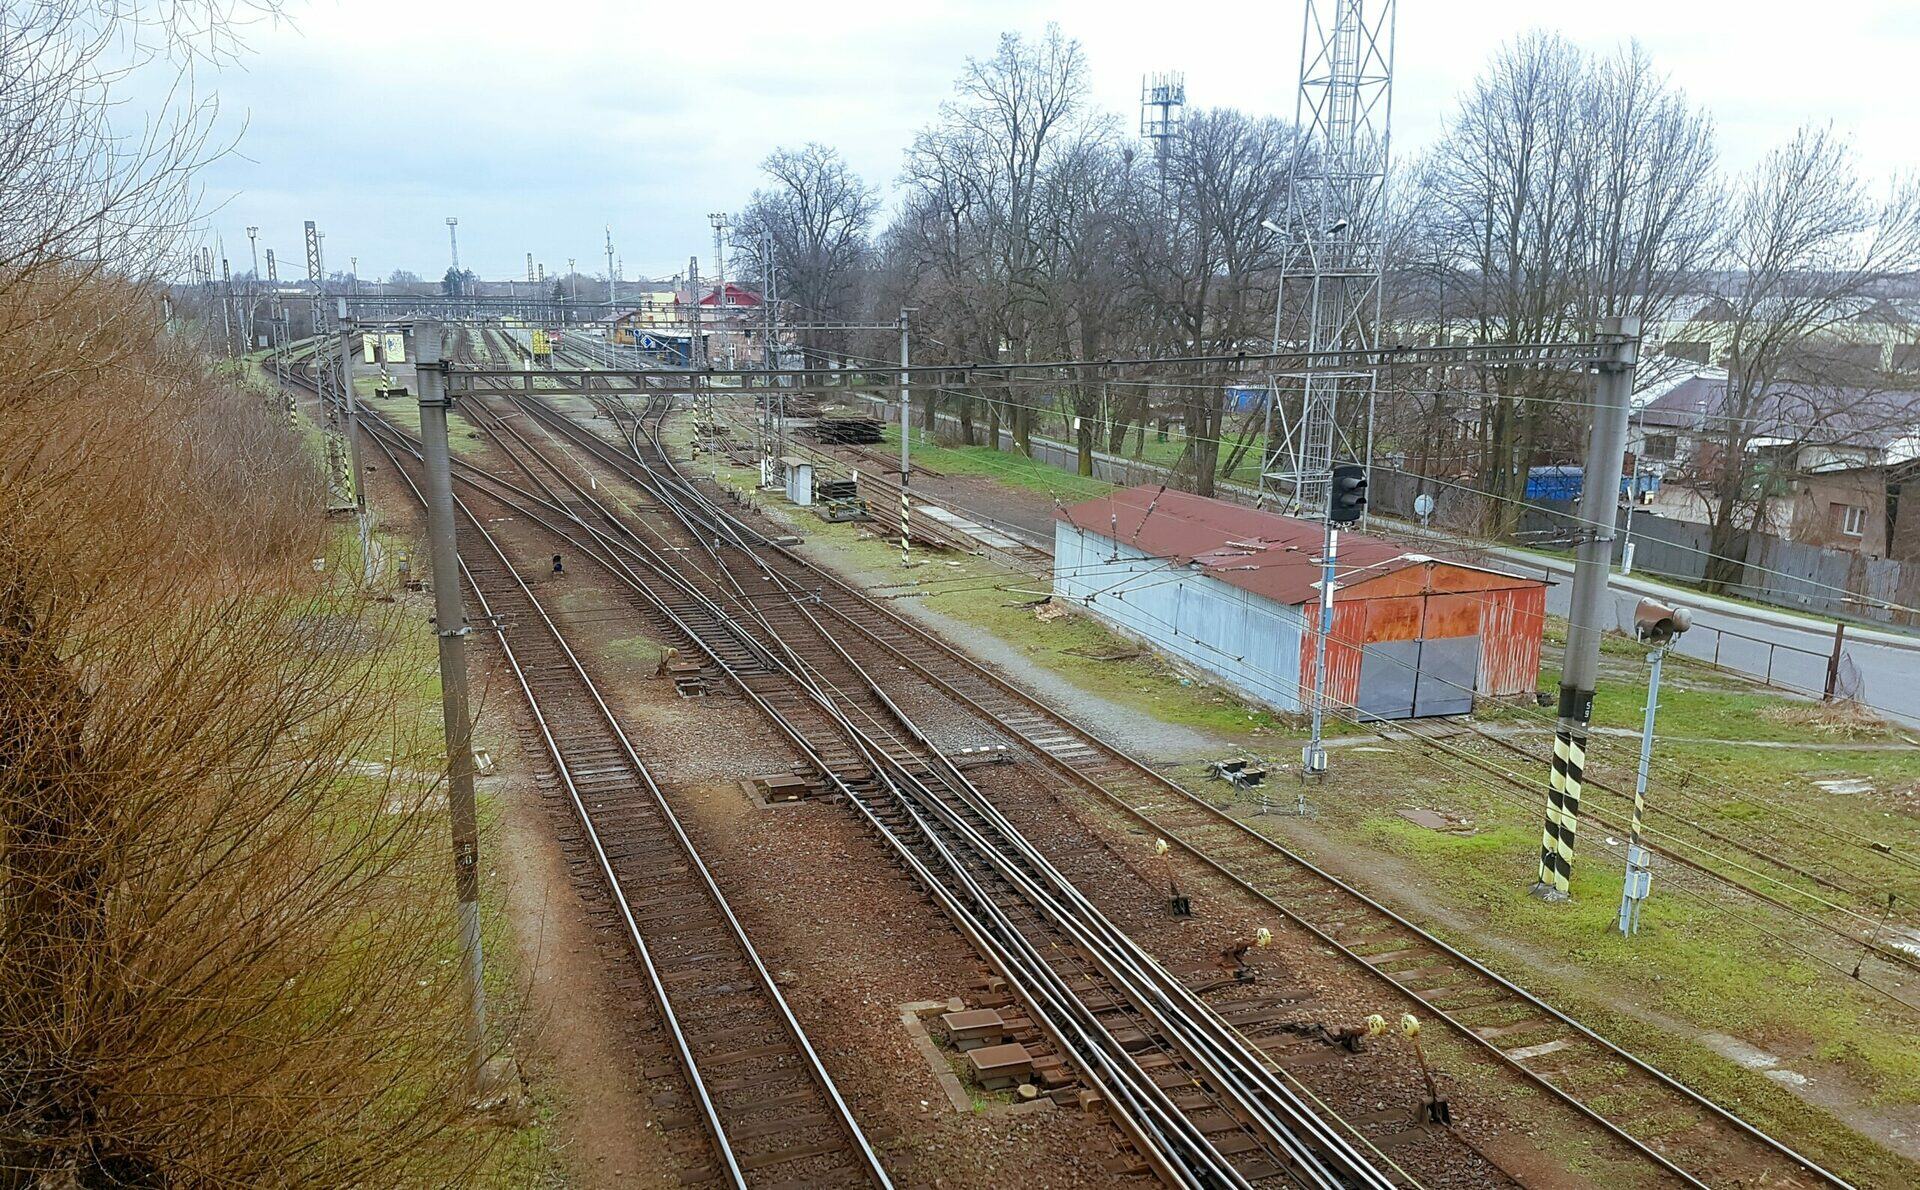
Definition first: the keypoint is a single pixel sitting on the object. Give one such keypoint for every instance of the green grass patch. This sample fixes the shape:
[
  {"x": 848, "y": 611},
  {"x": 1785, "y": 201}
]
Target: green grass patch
[
  {"x": 1718, "y": 969},
  {"x": 996, "y": 600},
  {"x": 632, "y": 648},
  {"x": 1008, "y": 467},
  {"x": 404, "y": 412},
  {"x": 1709, "y": 967},
  {"x": 1691, "y": 962},
  {"x": 407, "y": 761}
]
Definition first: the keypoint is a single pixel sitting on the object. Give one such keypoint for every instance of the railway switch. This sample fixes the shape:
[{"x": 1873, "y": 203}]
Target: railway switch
[
  {"x": 1435, "y": 1109},
  {"x": 1177, "y": 901},
  {"x": 1234, "y": 958}
]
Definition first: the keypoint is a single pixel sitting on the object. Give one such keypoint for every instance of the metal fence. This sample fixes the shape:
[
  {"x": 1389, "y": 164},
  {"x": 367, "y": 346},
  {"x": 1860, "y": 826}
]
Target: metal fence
[{"x": 1775, "y": 571}]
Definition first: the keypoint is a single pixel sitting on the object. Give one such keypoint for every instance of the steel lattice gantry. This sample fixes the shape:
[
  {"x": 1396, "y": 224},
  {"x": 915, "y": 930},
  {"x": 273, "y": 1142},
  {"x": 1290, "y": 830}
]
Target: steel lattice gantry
[{"x": 1336, "y": 206}]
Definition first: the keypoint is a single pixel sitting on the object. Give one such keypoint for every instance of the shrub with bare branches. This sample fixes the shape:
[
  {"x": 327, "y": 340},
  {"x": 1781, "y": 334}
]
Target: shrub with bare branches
[{"x": 223, "y": 923}]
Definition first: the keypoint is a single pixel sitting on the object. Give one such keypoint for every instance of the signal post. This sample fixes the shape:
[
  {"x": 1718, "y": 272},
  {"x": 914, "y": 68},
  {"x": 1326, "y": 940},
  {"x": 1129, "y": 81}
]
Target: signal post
[{"x": 1346, "y": 503}]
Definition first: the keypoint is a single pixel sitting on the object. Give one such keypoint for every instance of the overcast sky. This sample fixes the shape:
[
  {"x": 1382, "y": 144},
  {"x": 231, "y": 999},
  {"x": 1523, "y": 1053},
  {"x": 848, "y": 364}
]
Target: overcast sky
[{"x": 538, "y": 125}]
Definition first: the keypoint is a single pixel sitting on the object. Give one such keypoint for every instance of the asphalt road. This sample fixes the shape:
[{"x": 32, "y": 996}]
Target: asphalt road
[
  {"x": 1882, "y": 667},
  {"x": 1786, "y": 650}
]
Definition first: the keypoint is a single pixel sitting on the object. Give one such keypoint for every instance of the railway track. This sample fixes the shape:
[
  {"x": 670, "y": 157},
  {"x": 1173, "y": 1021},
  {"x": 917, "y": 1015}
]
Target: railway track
[
  {"x": 880, "y": 482},
  {"x": 935, "y": 525},
  {"x": 769, "y": 1108},
  {"x": 1689, "y": 1136},
  {"x": 1860, "y": 902},
  {"x": 1200, "y": 1105},
  {"x": 1201, "y": 1112}
]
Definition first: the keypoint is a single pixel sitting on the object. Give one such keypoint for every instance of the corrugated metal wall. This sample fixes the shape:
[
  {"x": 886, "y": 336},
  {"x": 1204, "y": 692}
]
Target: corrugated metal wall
[
  {"x": 1343, "y": 651},
  {"x": 1251, "y": 644},
  {"x": 1392, "y": 608},
  {"x": 1510, "y": 626},
  {"x": 1265, "y": 650}
]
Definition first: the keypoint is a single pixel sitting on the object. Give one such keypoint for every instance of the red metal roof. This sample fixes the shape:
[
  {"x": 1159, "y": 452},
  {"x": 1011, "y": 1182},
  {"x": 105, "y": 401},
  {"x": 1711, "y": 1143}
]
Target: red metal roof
[
  {"x": 1274, "y": 556},
  {"x": 736, "y": 296}
]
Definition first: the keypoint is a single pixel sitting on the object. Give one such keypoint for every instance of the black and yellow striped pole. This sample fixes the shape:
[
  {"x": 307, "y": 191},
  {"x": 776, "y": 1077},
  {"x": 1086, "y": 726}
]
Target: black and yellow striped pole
[
  {"x": 905, "y": 509},
  {"x": 906, "y": 435},
  {"x": 1659, "y": 625},
  {"x": 1563, "y": 796},
  {"x": 1619, "y": 340}
]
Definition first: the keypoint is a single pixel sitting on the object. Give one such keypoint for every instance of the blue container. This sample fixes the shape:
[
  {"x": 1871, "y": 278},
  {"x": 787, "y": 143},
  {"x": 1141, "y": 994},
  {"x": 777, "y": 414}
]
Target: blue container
[
  {"x": 1244, "y": 398},
  {"x": 1555, "y": 483},
  {"x": 1566, "y": 482}
]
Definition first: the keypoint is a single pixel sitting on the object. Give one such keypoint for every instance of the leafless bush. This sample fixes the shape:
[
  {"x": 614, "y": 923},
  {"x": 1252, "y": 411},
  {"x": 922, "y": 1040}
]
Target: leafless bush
[{"x": 222, "y": 923}]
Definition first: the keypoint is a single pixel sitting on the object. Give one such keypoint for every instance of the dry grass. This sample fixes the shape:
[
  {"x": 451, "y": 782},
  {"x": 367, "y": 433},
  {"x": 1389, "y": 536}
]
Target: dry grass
[
  {"x": 222, "y": 944},
  {"x": 1841, "y": 719}
]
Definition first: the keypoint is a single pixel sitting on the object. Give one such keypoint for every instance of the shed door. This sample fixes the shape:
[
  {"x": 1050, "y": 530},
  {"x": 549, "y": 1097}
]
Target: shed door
[
  {"x": 1387, "y": 669},
  {"x": 1410, "y": 679},
  {"x": 1449, "y": 669}
]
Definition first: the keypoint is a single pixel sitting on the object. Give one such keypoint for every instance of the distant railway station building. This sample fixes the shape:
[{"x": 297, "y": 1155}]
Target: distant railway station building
[{"x": 1235, "y": 591}]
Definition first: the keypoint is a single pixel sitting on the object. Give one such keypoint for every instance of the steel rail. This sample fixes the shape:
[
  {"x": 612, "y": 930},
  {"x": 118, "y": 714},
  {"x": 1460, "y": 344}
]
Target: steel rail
[
  {"x": 1267, "y": 843},
  {"x": 1220, "y": 1051},
  {"x": 1010, "y": 968},
  {"x": 1197, "y": 1142},
  {"x": 816, "y": 1068},
  {"x": 713, "y": 520},
  {"x": 1023, "y": 971},
  {"x": 1144, "y": 1093}
]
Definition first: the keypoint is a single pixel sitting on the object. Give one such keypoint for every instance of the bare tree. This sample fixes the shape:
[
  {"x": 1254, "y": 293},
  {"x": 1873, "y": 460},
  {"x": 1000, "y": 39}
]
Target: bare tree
[
  {"x": 984, "y": 161},
  {"x": 816, "y": 216},
  {"x": 1204, "y": 262},
  {"x": 220, "y": 941},
  {"x": 1806, "y": 246},
  {"x": 1655, "y": 200},
  {"x": 1081, "y": 208},
  {"x": 1565, "y": 189}
]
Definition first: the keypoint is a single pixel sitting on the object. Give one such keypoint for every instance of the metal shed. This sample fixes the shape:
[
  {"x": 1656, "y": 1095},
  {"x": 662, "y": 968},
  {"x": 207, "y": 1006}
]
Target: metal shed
[
  {"x": 799, "y": 474},
  {"x": 1235, "y": 591}
]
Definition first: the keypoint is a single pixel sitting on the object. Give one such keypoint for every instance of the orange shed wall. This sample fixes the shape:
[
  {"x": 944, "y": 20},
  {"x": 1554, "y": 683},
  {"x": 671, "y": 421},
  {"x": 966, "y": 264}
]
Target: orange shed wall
[
  {"x": 1343, "y": 652},
  {"x": 1394, "y": 607},
  {"x": 1510, "y": 625}
]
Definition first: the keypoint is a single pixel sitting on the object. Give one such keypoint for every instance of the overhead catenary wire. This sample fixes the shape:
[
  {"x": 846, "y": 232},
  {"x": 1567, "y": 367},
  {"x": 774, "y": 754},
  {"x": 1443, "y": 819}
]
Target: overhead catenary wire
[
  {"x": 1351, "y": 714},
  {"x": 1572, "y": 518},
  {"x": 1124, "y": 580}
]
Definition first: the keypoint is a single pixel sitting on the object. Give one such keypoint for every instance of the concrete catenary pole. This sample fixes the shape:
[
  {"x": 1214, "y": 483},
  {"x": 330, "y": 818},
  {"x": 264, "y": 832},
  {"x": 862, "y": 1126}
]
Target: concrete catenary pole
[
  {"x": 1599, "y": 509},
  {"x": 253, "y": 289},
  {"x": 719, "y": 221},
  {"x": 351, "y": 399},
  {"x": 450, "y": 626},
  {"x": 610, "y": 289},
  {"x": 906, "y": 436},
  {"x": 229, "y": 308},
  {"x": 774, "y": 412}
]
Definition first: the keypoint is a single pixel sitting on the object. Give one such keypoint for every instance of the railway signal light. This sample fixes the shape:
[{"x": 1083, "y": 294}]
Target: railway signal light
[
  {"x": 1659, "y": 625},
  {"x": 1656, "y": 623},
  {"x": 1347, "y": 499}
]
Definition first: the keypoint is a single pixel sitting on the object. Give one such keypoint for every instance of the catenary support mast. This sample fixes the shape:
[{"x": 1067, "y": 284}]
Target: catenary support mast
[{"x": 1599, "y": 506}]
